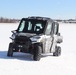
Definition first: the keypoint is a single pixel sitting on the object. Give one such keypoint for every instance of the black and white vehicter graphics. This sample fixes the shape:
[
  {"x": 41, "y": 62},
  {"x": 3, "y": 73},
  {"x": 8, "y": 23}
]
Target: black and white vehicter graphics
[{"x": 36, "y": 35}]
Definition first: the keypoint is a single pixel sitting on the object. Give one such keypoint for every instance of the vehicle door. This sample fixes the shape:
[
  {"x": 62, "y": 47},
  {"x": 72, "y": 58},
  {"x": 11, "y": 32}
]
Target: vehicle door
[
  {"x": 48, "y": 37},
  {"x": 55, "y": 36}
]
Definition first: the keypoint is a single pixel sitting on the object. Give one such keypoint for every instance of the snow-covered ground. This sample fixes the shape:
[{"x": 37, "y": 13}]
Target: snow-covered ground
[{"x": 22, "y": 64}]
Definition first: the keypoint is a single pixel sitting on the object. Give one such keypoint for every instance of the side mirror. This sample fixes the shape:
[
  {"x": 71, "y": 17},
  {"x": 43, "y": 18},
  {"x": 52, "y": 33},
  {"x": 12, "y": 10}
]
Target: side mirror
[{"x": 14, "y": 31}]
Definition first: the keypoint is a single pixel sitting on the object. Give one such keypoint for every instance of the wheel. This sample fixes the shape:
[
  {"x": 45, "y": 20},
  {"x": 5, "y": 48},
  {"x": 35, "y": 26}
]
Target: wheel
[
  {"x": 57, "y": 51},
  {"x": 10, "y": 50},
  {"x": 37, "y": 53}
]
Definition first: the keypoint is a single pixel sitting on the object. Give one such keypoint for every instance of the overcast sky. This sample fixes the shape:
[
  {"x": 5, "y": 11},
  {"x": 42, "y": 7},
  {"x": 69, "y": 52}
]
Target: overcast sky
[{"x": 61, "y": 9}]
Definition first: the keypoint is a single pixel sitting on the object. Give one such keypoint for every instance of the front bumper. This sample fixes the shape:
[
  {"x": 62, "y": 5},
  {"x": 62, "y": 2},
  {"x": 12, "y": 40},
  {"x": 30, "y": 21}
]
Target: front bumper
[{"x": 20, "y": 48}]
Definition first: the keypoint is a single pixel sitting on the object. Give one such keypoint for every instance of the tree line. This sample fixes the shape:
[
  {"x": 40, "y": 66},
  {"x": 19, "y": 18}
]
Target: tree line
[{"x": 7, "y": 20}]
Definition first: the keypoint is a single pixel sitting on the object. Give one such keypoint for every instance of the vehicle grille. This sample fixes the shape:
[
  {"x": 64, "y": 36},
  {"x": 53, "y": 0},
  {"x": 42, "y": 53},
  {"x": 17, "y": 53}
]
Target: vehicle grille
[{"x": 23, "y": 40}]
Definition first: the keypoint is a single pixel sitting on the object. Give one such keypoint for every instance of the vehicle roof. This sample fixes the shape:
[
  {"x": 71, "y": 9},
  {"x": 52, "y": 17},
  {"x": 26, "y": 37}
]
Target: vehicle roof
[{"x": 40, "y": 18}]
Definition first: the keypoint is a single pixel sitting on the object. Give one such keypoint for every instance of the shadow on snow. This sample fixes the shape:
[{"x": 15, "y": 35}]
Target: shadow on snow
[
  {"x": 20, "y": 56},
  {"x": 16, "y": 55}
]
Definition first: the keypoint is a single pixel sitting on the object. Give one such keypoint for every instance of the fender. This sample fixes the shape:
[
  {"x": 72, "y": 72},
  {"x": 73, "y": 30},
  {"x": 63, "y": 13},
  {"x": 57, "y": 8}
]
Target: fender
[{"x": 39, "y": 44}]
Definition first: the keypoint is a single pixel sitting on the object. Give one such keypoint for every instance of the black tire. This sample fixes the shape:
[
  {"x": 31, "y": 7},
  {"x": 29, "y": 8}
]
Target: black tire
[
  {"x": 37, "y": 53},
  {"x": 10, "y": 50},
  {"x": 57, "y": 51}
]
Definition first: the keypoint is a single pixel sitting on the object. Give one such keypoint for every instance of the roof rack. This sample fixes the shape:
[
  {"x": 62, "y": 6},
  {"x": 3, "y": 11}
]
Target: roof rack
[{"x": 39, "y": 18}]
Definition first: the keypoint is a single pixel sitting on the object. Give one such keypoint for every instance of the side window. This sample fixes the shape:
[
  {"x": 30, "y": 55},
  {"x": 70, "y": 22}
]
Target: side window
[
  {"x": 56, "y": 28},
  {"x": 48, "y": 29}
]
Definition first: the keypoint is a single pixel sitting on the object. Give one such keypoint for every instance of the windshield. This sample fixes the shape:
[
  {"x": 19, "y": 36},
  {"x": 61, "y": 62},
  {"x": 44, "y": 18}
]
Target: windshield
[{"x": 31, "y": 26}]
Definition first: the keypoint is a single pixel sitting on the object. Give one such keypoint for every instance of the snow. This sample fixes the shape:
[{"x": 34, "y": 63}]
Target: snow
[{"x": 22, "y": 64}]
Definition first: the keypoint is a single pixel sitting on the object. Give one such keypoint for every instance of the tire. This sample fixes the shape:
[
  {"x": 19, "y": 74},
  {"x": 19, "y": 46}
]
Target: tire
[
  {"x": 37, "y": 53},
  {"x": 57, "y": 51},
  {"x": 10, "y": 50}
]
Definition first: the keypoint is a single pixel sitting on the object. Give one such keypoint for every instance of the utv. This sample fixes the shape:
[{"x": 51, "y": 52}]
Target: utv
[{"x": 36, "y": 35}]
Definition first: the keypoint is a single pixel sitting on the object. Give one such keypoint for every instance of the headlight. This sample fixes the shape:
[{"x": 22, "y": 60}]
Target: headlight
[{"x": 36, "y": 39}]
